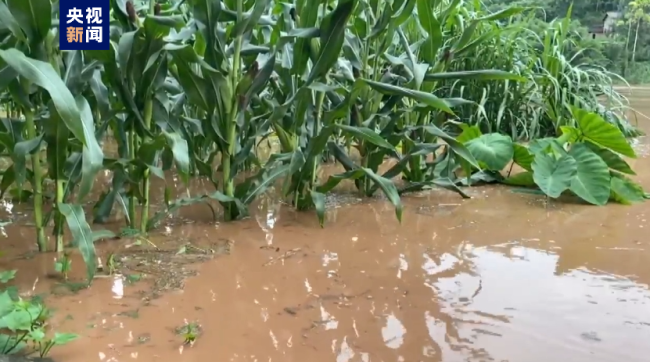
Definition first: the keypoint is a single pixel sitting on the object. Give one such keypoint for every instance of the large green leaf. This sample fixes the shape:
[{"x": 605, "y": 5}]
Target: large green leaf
[
  {"x": 457, "y": 147},
  {"x": 307, "y": 17},
  {"x": 386, "y": 185},
  {"x": 429, "y": 49},
  {"x": 124, "y": 50},
  {"x": 196, "y": 88},
  {"x": 404, "y": 13},
  {"x": 8, "y": 20},
  {"x": 262, "y": 77},
  {"x": 469, "y": 133},
  {"x": 181, "y": 153},
  {"x": 553, "y": 176},
  {"x": 33, "y": 16},
  {"x": 318, "y": 199},
  {"x": 253, "y": 18},
  {"x": 100, "y": 91},
  {"x": 187, "y": 54},
  {"x": 19, "y": 156},
  {"x": 524, "y": 179},
  {"x": 443, "y": 104},
  {"x": 367, "y": 135},
  {"x": 466, "y": 37},
  {"x": 595, "y": 129},
  {"x": 493, "y": 149},
  {"x": 523, "y": 157},
  {"x": 625, "y": 191},
  {"x": 613, "y": 160},
  {"x": 93, "y": 156},
  {"x": 484, "y": 74},
  {"x": 592, "y": 180},
  {"x": 82, "y": 236},
  {"x": 43, "y": 75},
  {"x": 332, "y": 31}
]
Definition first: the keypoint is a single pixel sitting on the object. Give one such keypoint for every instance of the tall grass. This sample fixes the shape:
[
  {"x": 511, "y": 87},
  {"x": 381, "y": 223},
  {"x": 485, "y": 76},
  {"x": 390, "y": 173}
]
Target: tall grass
[{"x": 549, "y": 57}]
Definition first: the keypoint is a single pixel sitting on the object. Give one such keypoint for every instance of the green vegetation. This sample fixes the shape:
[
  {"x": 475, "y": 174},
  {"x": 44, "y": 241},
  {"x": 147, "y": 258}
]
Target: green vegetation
[
  {"x": 624, "y": 50},
  {"x": 583, "y": 160},
  {"x": 198, "y": 84},
  {"x": 24, "y": 322}
]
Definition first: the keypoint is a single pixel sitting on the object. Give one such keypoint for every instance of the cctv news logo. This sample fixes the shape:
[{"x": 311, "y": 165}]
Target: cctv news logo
[{"x": 84, "y": 24}]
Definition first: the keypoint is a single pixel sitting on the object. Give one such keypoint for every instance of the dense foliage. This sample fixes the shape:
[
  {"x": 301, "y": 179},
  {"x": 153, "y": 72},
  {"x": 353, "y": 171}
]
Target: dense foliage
[
  {"x": 197, "y": 85},
  {"x": 625, "y": 51}
]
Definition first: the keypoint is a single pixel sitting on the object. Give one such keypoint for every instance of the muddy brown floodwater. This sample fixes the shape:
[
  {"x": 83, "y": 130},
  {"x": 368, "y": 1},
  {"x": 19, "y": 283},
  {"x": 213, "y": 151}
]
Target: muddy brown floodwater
[{"x": 500, "y": 277}]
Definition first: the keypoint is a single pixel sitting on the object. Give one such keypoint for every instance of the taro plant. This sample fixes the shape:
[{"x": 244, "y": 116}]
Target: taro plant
[
  {"x": 585, "y": 160},
  {"x": 25, "y": 322}
]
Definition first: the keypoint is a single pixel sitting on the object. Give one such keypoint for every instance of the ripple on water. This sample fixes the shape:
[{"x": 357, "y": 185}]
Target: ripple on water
[
  {"x": 488, "y": 281},
  {"x": 518, "y": 299}
]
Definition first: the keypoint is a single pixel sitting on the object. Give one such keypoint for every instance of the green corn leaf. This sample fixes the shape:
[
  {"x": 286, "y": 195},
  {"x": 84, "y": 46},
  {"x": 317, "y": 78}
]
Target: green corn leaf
[
  {"x": 43, "y": 75},
  {"x": 92, "y": 154},
  {"x": 332, "y": 33},
  {"x": 82, "y": 236},
  {"x": 33, "y": 16}
]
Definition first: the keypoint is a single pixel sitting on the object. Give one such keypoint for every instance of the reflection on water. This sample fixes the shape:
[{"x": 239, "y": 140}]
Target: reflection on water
[
  {"x": 268, "y": 214},
  {"x": 516, "y": 297},
  {"x": 118, "y": 287},
  {"x": 393, "y": 332}
]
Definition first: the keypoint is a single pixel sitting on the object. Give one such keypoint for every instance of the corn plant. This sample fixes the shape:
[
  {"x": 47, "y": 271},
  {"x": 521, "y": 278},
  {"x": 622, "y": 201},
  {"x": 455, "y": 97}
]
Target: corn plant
[
  {"x": 136, "y": 67},
  {"x": 48, "y": 92},
  {"x": 364, "y": 96},
  {"x": 222, "y": 76}
]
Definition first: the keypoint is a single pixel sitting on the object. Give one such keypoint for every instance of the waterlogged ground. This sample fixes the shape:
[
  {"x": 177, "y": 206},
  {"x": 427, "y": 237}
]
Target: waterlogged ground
[{"x": 501, "y": 277}]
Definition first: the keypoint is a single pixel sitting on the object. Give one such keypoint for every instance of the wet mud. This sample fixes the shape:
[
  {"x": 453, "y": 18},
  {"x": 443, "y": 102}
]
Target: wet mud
[
  {"x": 504, "y": 276},
  {"x": 23, "y": 359}
]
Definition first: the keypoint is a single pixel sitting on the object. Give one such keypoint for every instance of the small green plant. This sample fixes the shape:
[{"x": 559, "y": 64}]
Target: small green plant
[
  {"x": 63, "y": 265},
  {"x": 111, "y": 264},
  {"x": 24, "y": 322},
  {"x": 190, "y": 332},
  {"x": 189, "y": 337}
]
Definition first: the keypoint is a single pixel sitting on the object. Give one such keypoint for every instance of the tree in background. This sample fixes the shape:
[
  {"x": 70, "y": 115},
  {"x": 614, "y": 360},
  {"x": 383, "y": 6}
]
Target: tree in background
[
  {"x": 638, "y": 12},
  {"x": 626, "y": 51}
]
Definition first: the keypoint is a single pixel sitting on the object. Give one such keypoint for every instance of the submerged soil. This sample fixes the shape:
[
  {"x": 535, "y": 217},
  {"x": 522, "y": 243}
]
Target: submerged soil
[{"x": 501, "y": 277}]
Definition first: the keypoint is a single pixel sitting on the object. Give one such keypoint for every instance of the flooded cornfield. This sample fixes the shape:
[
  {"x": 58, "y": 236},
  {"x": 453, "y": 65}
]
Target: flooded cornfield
[{"x": 503, "y": 276}]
